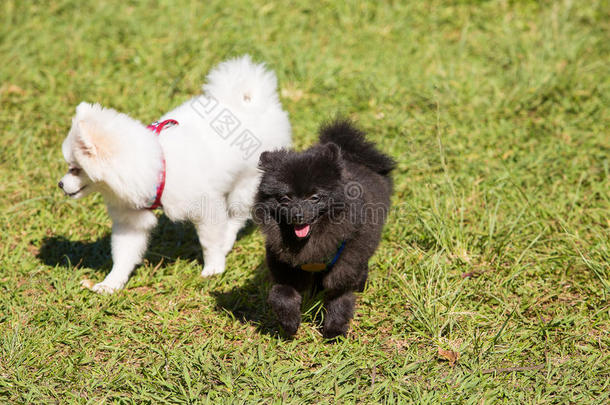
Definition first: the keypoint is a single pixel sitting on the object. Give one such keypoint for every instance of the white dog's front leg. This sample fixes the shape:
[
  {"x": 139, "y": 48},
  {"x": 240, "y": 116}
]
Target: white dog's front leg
[{"x": 130, "y": 233}]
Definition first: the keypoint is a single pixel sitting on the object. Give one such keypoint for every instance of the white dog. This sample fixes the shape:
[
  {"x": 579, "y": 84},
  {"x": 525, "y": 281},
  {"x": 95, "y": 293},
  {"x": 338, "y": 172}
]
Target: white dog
[{"x": 199, "y": 162}]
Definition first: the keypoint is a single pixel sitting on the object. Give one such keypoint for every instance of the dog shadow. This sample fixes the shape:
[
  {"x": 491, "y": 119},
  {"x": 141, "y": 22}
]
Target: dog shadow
[
  {"x": 248, "y": 304},
  {"x": 169, "y": 241}
]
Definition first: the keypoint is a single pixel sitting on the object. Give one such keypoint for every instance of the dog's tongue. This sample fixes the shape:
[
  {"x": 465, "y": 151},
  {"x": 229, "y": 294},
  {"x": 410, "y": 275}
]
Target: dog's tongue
[{"x": 301, "y": 230}]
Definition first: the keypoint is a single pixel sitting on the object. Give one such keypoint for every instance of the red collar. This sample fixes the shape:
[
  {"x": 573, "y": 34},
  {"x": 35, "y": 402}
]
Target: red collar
[{"x": 157, "y": 127}]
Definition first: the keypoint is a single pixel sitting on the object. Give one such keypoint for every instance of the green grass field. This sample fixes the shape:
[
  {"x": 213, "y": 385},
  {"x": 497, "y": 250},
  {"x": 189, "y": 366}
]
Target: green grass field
[{"x": 498, "y": 247}]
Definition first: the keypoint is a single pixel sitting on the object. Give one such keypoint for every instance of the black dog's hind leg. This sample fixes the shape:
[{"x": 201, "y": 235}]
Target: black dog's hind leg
[{"x": 339, "y": 311}]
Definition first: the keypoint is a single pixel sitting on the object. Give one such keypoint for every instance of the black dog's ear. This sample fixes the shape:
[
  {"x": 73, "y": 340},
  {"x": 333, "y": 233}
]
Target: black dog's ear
[
  {"x": 270, "y": 159},
  {"x": 332, "y": 151},
  {"x": 264, "y": 161}
]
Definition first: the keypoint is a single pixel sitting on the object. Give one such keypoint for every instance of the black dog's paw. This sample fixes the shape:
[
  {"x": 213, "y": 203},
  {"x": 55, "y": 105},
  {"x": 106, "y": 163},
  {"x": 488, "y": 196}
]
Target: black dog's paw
[
  {"x": 286, "y": 304},
  {"x": 339, "y": 312},
  {"x": 291, "y": 326},
  {"x": 333, "y": 331}
]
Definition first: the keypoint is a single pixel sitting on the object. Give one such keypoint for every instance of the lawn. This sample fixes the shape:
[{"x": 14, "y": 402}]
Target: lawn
[{"x": 497, "y": 249}]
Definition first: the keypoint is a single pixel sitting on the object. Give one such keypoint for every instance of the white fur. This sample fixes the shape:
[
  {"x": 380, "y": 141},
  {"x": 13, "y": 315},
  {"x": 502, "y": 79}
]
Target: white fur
[{"x": 209, "y": 179}]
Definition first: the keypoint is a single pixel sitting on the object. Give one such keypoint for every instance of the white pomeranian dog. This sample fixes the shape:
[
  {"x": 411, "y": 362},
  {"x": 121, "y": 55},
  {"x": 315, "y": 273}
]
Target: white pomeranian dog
[{"x": 199, "y": 162}]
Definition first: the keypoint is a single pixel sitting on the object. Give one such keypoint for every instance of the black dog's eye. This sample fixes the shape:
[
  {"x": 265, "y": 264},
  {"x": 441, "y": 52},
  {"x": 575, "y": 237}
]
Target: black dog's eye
[
  {"x": 314, "y": 198},
  {"x": 285, "y": 199},
  {"x": 74, "y": 170}
]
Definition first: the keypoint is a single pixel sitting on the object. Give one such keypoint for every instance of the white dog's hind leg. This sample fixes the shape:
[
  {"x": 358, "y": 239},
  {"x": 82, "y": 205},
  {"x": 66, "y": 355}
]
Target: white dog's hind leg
[
  {"x": 212, "y": 231},
  {"x": 130, "y": 232},
  {"x": 239, "y": 202},
  {"x": 233, "y": 227}
]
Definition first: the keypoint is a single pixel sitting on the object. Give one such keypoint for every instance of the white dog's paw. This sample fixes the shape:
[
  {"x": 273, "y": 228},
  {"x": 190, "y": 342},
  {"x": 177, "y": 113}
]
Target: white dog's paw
[
  {"x": 210, "y": 270},
  {"x": 107, "y": 288}
]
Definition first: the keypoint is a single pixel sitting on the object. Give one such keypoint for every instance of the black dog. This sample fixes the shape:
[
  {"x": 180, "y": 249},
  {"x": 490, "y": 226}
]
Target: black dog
[{"x": 322, "y": 211}]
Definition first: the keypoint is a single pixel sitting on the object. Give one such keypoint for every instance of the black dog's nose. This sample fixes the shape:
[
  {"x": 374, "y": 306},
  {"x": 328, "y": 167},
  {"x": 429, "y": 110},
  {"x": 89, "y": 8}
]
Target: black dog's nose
[
  {"x": 60, "y": 184},
  {"x": 298, "y": 216}
]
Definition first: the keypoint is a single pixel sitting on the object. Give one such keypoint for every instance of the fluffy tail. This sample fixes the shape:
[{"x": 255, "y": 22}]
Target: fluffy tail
[
  {"x": 242, "y": 83},
  {"x": 354, "y": 146}
]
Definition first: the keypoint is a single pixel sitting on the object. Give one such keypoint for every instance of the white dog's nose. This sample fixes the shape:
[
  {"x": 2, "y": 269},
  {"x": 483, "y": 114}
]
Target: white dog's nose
[{"x": 60, "y": 185}]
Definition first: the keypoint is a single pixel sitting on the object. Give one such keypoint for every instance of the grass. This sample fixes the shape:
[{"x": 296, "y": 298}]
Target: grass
[{"x": 497, "y": 249}]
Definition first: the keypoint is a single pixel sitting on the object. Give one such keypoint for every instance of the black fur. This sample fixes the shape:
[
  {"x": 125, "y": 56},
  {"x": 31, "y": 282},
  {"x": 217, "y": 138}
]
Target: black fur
[
  {"x": 341, "y": 188},
  {"x": 355, "y": 147}
]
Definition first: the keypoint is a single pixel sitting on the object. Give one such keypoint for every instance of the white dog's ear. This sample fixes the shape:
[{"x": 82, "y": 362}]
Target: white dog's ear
[
  {"x": 93, "y": 140},
  {"x": 83, "y": 108},
  {"x": 85, "y": 138}
]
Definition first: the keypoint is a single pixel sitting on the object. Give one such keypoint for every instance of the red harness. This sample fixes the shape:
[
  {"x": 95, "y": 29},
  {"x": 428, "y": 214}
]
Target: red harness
[{"x": 157, "y": 127}]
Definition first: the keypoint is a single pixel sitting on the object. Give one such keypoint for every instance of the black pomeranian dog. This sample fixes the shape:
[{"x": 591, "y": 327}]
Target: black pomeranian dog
[{"x": 322, "y": 212}]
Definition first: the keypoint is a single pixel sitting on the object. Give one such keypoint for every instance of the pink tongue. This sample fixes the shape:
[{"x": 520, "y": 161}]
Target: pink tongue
[{"x": 301, "y": 230}]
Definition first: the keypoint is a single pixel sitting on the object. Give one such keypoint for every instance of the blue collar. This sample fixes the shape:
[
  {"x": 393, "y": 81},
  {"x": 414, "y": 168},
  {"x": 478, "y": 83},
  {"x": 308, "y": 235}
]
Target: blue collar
[{"x": 316, "y": 267}]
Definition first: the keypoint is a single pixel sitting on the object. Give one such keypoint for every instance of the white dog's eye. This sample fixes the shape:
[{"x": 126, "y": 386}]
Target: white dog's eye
[{"x": 74, "y": 170}]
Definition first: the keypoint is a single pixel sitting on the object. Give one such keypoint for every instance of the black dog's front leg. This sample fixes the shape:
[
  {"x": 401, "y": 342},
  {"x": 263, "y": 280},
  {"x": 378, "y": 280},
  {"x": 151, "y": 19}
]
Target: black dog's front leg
[
  {"x": 349, "y": 274},
  {"x": 285, "y": 297},
  {"x": 339, "y": 311},
  {"x": 285, "y": 301},
  {"x": 363, "y": 276}
]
